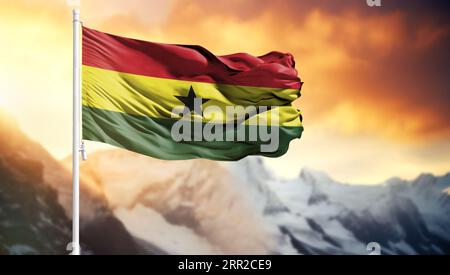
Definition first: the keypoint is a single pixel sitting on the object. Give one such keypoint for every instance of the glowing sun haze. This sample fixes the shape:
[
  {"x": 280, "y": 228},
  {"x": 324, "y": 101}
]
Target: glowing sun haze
[{"x": 375, "y": 99}]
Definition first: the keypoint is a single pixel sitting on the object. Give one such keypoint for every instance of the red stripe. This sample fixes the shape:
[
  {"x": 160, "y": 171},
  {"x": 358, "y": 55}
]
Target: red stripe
[{"x": 192, "y": 63}]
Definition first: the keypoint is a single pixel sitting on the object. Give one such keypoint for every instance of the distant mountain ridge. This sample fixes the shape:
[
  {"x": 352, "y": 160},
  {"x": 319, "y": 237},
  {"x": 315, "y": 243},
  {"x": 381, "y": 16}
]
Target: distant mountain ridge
[
  {"x": 312, "y": 214},
  {"x": 132, "y": 204},
  {"x": 323, "y": 216}
]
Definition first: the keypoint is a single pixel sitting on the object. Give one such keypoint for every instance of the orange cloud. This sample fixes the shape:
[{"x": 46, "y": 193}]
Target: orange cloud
[{"x": 373, "y": 72}]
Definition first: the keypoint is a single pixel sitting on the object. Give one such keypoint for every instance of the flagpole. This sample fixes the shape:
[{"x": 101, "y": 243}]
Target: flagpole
[{"x": 76, "y": 135}]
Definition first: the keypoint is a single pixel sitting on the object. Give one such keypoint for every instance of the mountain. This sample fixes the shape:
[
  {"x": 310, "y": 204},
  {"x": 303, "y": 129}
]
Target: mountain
[
  {"x": 206, "y": 207},
  {"x": 31, "y": 219},
  {"x": 133, "y": 204},
  {"x": 36, "y": 203},
  {"x": 317, "y": 215},
  {"x": 193, "y": 207}
]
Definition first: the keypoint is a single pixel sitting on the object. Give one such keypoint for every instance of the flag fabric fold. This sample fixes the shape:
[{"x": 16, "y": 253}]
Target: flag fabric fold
[{"x": 132, "y": 89}]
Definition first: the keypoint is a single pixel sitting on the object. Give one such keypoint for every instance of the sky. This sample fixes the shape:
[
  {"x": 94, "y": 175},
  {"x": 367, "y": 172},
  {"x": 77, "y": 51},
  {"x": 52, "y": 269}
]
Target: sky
[{"x": 376, "y": 93}]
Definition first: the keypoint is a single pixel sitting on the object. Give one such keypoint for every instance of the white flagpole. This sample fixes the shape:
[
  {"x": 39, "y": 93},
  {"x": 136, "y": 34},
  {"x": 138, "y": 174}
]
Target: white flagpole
[{"x": 76, "y": 135}]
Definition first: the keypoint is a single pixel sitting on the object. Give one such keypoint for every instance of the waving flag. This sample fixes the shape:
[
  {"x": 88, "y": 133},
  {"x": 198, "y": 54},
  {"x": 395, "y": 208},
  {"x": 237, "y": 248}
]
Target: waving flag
[{"x": 182, "y": 102}]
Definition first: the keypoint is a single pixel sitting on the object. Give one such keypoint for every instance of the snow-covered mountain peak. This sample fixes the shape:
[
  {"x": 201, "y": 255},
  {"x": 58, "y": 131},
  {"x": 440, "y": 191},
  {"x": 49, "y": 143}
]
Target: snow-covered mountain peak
[
  {"x": 326, "y": 216},
  {"x": 252, "y": 168},
  {"x": 309, "y": 175}
]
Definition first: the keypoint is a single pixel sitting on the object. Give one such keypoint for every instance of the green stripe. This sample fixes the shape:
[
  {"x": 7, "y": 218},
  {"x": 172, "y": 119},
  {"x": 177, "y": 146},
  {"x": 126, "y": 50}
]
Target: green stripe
[{"x": 152, "y": 137}]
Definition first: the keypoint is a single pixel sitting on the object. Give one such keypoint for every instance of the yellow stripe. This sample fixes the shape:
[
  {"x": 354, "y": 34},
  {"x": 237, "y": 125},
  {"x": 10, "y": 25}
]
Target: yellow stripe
[{"x": 155, "y": 97}]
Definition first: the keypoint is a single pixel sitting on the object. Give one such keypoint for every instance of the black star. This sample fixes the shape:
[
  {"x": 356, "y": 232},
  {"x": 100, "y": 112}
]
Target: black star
[{"x": 189, "y": 101}]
